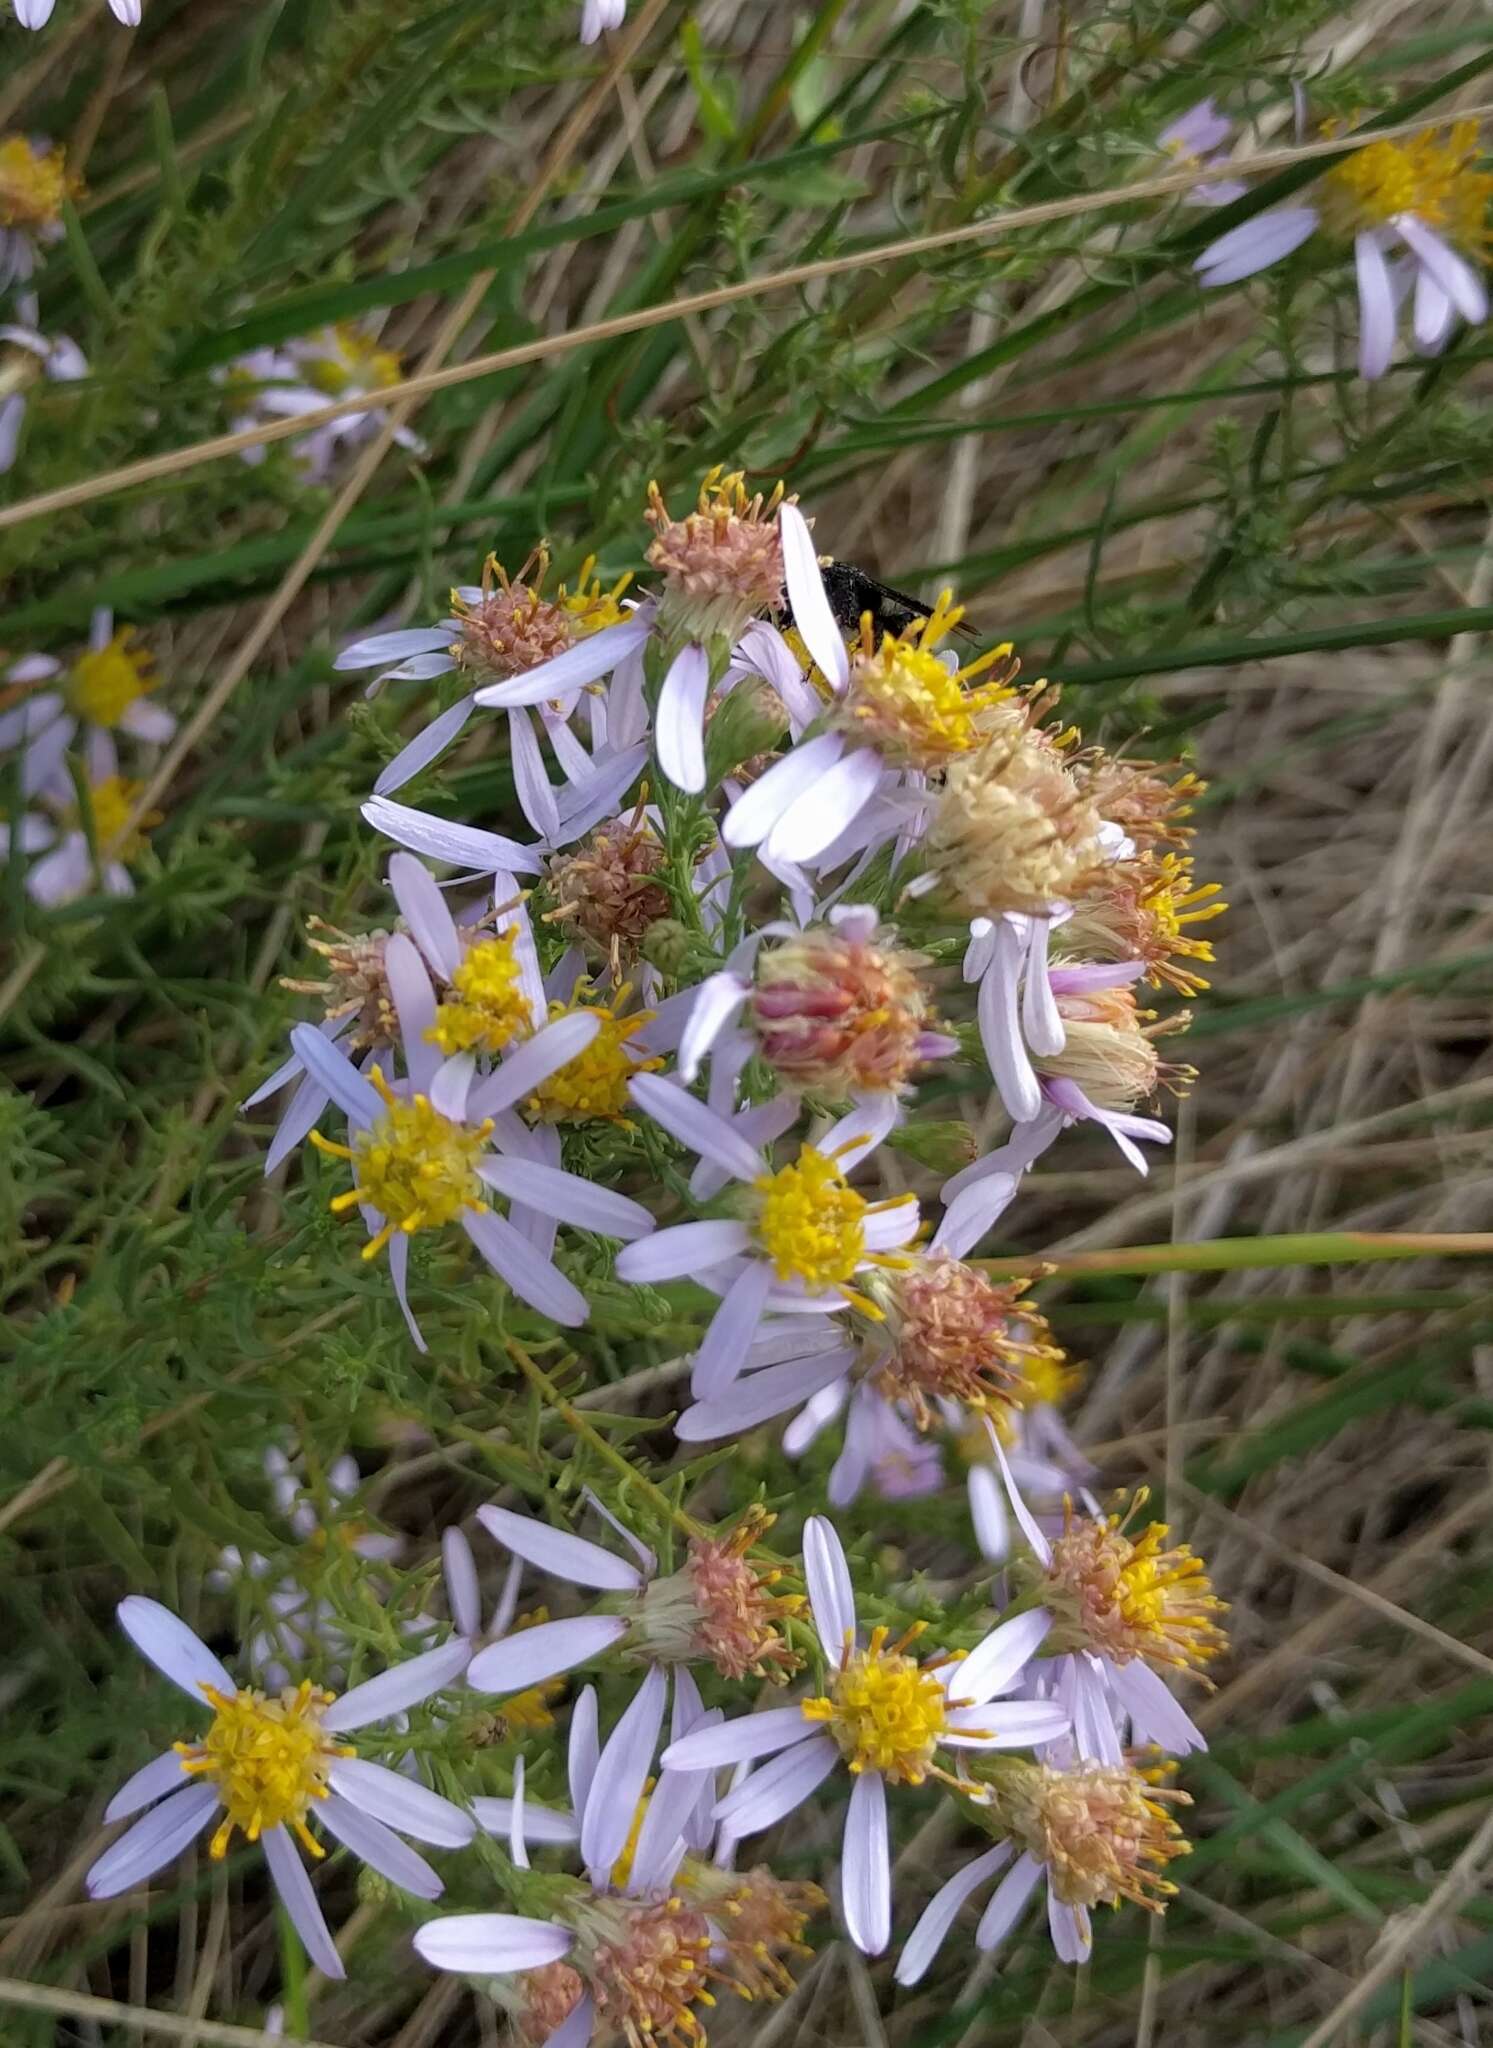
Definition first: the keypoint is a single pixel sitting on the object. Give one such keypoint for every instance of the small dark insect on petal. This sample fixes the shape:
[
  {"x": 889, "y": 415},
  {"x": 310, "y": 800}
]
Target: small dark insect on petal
[{"x": 852, "y": 592}]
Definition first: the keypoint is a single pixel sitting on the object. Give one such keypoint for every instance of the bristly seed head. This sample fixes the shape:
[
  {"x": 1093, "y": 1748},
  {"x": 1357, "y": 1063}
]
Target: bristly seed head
[
  {"x": 756, "y": 1917},
  {"x": 1129, "y": 1596},
  {"x": 649, "y": 1966},
  {"x": 722, "y": 563},
  {"x": 1139, "y": 797},
  {"x": 737, "y": 1610},
  {"x": 952, "y": 1334},
  {"x": 835, "y": 1013},
  {"x": 607, "y": 889},
  {"x": 906, "y": 703},
  {"x": 356, "y": 984},
  {"x": 1102, "y": 1830},
  {"x": 514, "y": 627},
  {"x": 268, "y": 1758}
]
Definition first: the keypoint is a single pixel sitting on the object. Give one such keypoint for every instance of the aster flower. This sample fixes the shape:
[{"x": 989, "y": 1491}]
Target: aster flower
[
  {"x": 1198, "y": 138},
  {"x": 884, "y": 1715},
  {"x": 896, "y": 708},
  {"x": 1124, "y": 1609},
  {"x": 267, "y": 1766},
  {"x": 597, "y": 16},
  {"x": 718, "y": 1608},
  {"x": 429, "y": 1152},
  {"x": 500, "y": 633},
  {"x": 105, "y": 690},
  {"x": 1097, "y": 1833},
  {"x": 341, "y": 361},
  {"x": 837, "y": 1009},
  {"x": 79, "y": 857},
  {"x": 26, "y": 356},
  {"x": 34, "y": 185},
  {"x": 1140, "y": 908},
  {"x": 803, "y": 1236},
  {"x": 1415, "y": 212}
]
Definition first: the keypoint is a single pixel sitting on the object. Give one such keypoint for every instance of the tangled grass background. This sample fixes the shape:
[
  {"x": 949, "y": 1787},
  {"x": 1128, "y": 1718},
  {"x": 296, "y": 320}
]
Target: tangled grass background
[{"x": 1189, "y": 508}]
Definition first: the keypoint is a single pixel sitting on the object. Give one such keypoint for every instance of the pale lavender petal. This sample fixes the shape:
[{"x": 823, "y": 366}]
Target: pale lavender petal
[
  {"x": 716, "y": 1002},
  {"x": 987, "y": 1514},
  {"x": 587, "y": 662},
  {"x": 1435, "y": 315},
  {"x": 762, "y": 1799},
  {"x": 1009, "y": 1902},
  {"x": 299, "y": 1900},
  {"x": 897, "y": 1224},
  {"x": 973, "y": 1213},
  {"x": 695, "y": 1125},
  {"x": 567, "y": 1197},
  {"x": 582, "y": 1750},
  {"x": 161, "y": 1775},
  {"x": 724, "y": 1347},
  {"x": 1455, "y": 276},
  {"x": 401, "y": 1802},
  {"x": 1000, "y": 1029},
  {"x": 403, "y": 1685},
  {"x": 536, "y": 795},
  {"x": 1255, "y": 245},
  {"x": 428, "y": 745},
  {"x": 533, "y": 1279},
  {"x": 684, "y": 1248},
  {"x": 1006, "y": 1724},
  {"x": 627, "y": 707},
  {"x": 147, "y": 721},
  {"x": 661, "y": 1841},
  {"x": 490, "y": 1944},
  {"x": 994, "y": 1664},
  {"x": 679, "y": 722},
  {"x": 414, "y": 999},
  {"x": 1082, "y": 1689},
  {"x": 1040, "y": 1547},
  {"x": 941, "y": 1911},
  {"x": 531, "y": 1655},
  {"x": 379, "y": 648},
  {"x": 461, "y": 846},
  {"x": 599, "y": 795},
  {"x": 556, "y": 1550},
  {"x": 399, "y": 1270},
  {"x": 1376, "y": 306},
  {"x": 176, "y": 1650},
  {"x": 334, "y": 1072},
  {"x": 822, "y": 813},
  {"x": 806, "y": 595},
  {"x": 831, "y": 1597},
  {"x": 734, "y": 1742},
  {"x": 451, "y": 1083},
  {"x": 621, "y": 1773},
  {"x": 379, "y": 1847},
  {"x": 424, "y": 908},
  {"x": 463, "y": 1595},
  {"x": 865, "y": 1866},
  {"x": 757, "y": 1397},
  {"x": 1069, "y": 1928},
  {"x": 1155, "y": 1715},
  {"x": 859, "y": 1132},
  {"x": 534, "y": 1061},
  {"x": 541, "y": 1823},
  {"x": 758, "y": 809},
  {"x": 152, "y": 1842},
  {"x": 576, "y": 2030},
  {"x": 1041, "y": 1020}
]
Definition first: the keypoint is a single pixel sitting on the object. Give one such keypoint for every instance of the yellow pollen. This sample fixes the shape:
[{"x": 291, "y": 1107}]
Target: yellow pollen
[
  {"x": 33, "y": 184},
  {"x": 588, "y": 604},
  {"x": 1134, "y": 1597},
  {"x": 593, "y": 1086},
  {"x": 352, "y": 358},
  {"x": 1430, "y": 175},
  {"x": 268, "y": 1758},
  {"x": 886, "y": 1711},
  {"x": 486, "y": 1008},
  {"x": 111, "y": 802},
  {"x": 907, "y": 703},
  {"x": 811, "y": 1223},
  {"x": 417, "y": 1168},
  {"x": 622, "y": 1868},
  {"x": 106, "y": 681}
]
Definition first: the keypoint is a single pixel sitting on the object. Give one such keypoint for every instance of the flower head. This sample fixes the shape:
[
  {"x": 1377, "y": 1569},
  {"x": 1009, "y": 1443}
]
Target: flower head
[
  {"x": 608, "y": 889},
  {"x": 355, "y": 985},
  {"x": 511, "y": 626},
  {"x": 34, "y": 185},
  {"x": 1109, "y": 1049},
  {"x": 839, "y": 1008},
  {"x": 346, "y": 358},
  {"x": 1130, "y": 1596},
  {"x": 904, "y": 699},
  {"x": 953, "y": 1334},
  {"x": 1142, "y": 909},
  {"x": 722, "y": 563},
  {"x": 593, "y": 1087},
  {"x": 1434, "y": 176}
]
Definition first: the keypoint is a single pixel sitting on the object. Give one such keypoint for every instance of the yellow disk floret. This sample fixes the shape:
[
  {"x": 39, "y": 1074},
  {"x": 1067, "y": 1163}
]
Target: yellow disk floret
[
  {"x": 417, "y": 1168},
  {"x": 352, "y": 360},
  {"x": 486, "y": 1008},
  {"x": 107, "y": 681},
  {"x": 593, "y": 1086},
  {"x": 268, "y": 1758},
  {"x": 908, "y": 703},
  {"x": 886, "y": 1711},
  {"x": 811, "y": 1223},
  {"x": 1431, "y": 175},
  {"x": 33, "y": 184}
]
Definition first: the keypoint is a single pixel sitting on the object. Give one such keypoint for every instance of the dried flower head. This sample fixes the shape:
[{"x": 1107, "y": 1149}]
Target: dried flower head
[
  {"x": 1126, "y": 1596},
  {"x": 721, "y": 1606},
  {"x": 1109, "y": 1049},
  {"x": 757, "y": 1918},
  {"x": 1140, "y": 910},
  {"x": 722, "y": 563},
  {"x": 1149, "y": 801},
  {"x": 648, "y": 1965},
  {"x": 836, "y": 1011},
  {"x": 1103, "y": 1831},
  {"x": 952, "y": 1334},
  {"x": 355, "y": 985},
  {"x": 607, "y": 889},
  {"x": 514, "y": 626}
]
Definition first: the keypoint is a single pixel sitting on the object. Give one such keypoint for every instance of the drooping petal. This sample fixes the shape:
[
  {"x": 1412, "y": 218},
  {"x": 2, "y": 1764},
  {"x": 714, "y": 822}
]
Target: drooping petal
[
  {"x": 757, "y": 1397},
  {"x": 576, "y": 2029},
  {"x": 716, "y": 1002},
  {"x": 621, "y": 1773},
  {"x": 299, "y": 1900},
  {"x": 152, "y": 1842},
  {"x": 587, "y": 662},
  {"x": 866, "y": 1867},
  {"x": 428, "y": 745},
  {"x": 1434, "y": 316},
  {"x": 379, "y": 1847},
  {"x": 1000, "y": 1029},
  {"x": 1008, "y": 1903},
  {"x": 401, "y": 1686},
  {"x": 695, "y": 1125},
  {"x": 1453, "y": 273},
  {"x": 1025, "y": 1520},
  {"x": 401, "y": 1802},
  {"x": 823, "y": 812},
  {"x": 679, "y": 723},
  {"x": 1376, "y": 306},
  {"x": 534, "y": 1654},
  {"x": 1255, "y": 244},
  {"x": 762, "y": 803},
  {"x": 541, "y": 1823},
  {"x": 532, "y": 1278},
  {"x": 831, "y": 1597},
  {"x": 762, "y": 1799},
  {"x": 582, "y": 1750},
  {"x": 726, "y": 1343},
  {"x": 176, "y": 1650},
  {"x": 806, "y": 595},
  {"x": 1069, "y": 1928},
  {"x": 534, "y": 1061},
  {"x": 556, "y": 1550},
  {"x": 941, "y": 1911},
  {"x": 1155, "y": 1715},
  {"x": 491, "y": 1943},
  {"x": 734, "y": 1742},
  {"x": 460, "y": 846},
  {"x": 414, "y": 1000},
  {"x": 973, "y": 1212},
  {"x": 424, "y": 908}
]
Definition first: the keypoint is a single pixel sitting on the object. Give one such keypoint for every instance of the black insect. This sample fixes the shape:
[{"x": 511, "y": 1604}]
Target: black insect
[{"x": 852, "y": 592}]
